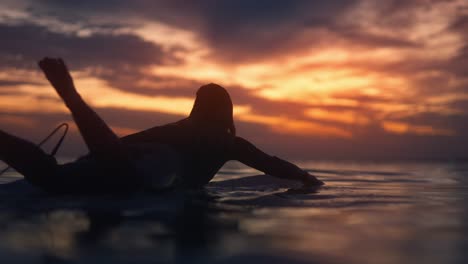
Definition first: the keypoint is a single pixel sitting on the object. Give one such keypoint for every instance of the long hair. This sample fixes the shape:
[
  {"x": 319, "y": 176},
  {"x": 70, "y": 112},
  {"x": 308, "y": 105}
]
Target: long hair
[{"x": 213, "y": 108}]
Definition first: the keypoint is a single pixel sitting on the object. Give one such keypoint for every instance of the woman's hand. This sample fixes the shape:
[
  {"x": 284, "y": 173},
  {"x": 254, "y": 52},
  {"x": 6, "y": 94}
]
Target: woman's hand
[
  {"x": 310, "y": 184},
  {"x": 311, "y": 181},
  {"x": 58, "y": 75}
]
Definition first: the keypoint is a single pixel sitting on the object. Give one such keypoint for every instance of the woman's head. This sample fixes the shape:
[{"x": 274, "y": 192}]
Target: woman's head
[{"x": 213, "y": 108}]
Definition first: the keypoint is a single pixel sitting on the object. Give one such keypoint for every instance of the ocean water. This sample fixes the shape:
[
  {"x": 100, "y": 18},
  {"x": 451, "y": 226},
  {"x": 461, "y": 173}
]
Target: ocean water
[{"x": 386, "y": 212}]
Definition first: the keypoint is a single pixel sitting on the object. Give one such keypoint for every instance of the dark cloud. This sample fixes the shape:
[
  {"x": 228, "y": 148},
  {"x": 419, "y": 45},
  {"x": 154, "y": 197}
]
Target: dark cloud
[
  {"x": 456, "y": 122},
  {"x": 23, "y": 45},
  {"x": 461, "y": 105},
  {"x": 460, "y": 24},
  {"x": 9, "y": 83},
  {"x": 117, "y": 58},
  {"x": 243, "y": 30},
  {"x": 151, "y": 85},
  {"x": 459, "y": 64},
  {"x": 247, "y": 30},
  {"x": 264, "y": 29}
]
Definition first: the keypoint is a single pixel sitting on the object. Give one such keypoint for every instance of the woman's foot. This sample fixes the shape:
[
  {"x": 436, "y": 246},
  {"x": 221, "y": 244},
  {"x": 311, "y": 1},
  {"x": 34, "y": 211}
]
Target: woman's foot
[{"x": 58, "y": 75}]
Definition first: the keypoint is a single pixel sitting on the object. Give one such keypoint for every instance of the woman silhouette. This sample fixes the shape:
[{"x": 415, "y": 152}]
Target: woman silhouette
[{"x": 187, "y": 153}]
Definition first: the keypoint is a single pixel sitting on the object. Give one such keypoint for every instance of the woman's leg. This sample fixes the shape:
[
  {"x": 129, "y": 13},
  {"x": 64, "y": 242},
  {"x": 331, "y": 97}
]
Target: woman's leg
[
  {"x": 112, "y": 171},
  {"x": 99, "y": 138},
  {"x": 28, "y": 159}
]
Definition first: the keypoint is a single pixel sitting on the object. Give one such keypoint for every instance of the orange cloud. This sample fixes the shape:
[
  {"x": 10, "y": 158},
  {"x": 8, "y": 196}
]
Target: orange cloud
[
  {"x": 404, "y": 128},
  {"x": 347, "y": 117},
  {"x": 290, "y": 126}
]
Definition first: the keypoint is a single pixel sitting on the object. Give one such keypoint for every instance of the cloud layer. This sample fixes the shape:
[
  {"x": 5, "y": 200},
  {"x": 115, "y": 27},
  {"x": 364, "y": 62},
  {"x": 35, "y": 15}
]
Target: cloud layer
[{"x": 310, "y": 79}]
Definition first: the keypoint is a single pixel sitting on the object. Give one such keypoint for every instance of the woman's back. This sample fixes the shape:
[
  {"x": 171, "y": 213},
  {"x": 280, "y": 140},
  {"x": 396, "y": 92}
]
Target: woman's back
[{"x": 202, "y": 150}]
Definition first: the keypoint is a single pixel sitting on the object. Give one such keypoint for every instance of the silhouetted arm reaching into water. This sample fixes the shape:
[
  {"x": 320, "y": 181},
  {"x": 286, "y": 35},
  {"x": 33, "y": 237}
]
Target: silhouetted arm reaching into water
[
  {"x": 247, "y": 153},
  {"x": 240, "y": 150}
]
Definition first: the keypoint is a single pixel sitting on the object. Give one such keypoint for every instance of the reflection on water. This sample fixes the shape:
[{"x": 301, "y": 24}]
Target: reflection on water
[{"x": 367, "y": 213}]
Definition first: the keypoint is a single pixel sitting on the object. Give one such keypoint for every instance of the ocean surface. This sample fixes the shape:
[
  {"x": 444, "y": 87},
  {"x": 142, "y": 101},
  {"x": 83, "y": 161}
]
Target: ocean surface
[{"x": 385, "y": 212}]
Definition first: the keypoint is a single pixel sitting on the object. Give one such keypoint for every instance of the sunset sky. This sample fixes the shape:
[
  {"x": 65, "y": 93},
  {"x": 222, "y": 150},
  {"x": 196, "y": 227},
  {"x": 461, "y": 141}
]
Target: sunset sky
[{"x": 309, "y": 79}]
